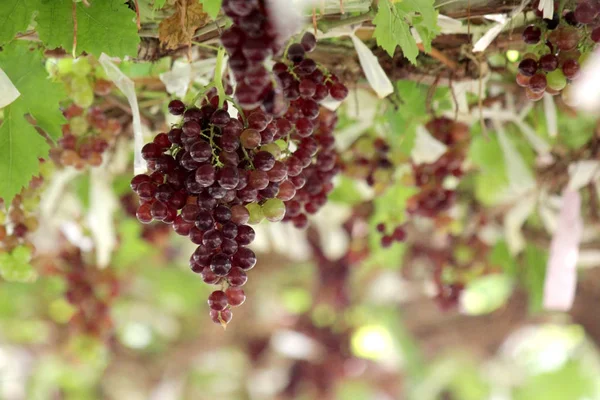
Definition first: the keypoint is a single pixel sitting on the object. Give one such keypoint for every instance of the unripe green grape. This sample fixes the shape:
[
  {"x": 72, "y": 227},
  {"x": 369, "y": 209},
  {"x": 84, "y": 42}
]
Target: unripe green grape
[
  {"x": 256, "y": 213},
  {"x": 65, "y": 66},
  {"x": 81, "y": 67},
  {"x": 272, "y": 148},
  {"x": 283, "y": 145},
  {"x": 84, "y": 99},
  {"x": 52, "y": 67},
  {"x": 556, "y": 79},
  {"x": 274, "y": 210},
  {"x": 79, "y": 125},
  {"x": 365, "y": 148}
]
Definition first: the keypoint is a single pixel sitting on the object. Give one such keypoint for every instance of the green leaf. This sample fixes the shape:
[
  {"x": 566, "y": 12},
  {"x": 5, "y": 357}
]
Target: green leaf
[
  {"x": 211, "y": 7},
  {"x": 106, "y": 26},
  {"x": 534, "y": 274},
  {"x": 500, "y": 256},
  {"x": 21, "y": 145},
  {"x": 15, "y": 266},
  {"x": 346, "y": 192},
  {"x": 572, "y": 381},
  {"x": 391, "y": 30},
  {"x": 423, "y": 17},
  {"x": 15, "y": 16},
  {"x": 31, "y": 81},
  {"x": 393, "y": 22},
  {"x": 159, "y": 4}
]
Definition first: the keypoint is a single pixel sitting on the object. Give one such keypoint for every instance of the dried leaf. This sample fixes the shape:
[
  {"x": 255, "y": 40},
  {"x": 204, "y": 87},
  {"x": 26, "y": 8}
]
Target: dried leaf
[{"x": 178, "y": 30}]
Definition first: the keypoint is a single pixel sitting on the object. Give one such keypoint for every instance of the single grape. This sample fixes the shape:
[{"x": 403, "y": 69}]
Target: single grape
[
  {"x": 528, "y": 67},
  {"x": 571, "y": 69},
  {"x": 538, "y": 83},
  {"x": 556, "y": 79},
  {"x": 235, "y": 296},
  {"x": 250, "y": 138},
  {"x": 237, "y": 277},
  {"x": 308, "y": 42},
  {"x": 263, "y": 161},
  {"x": 255, "y": 213},
  {"x": 176, "y": 107},
  {"x": 205, "y": 175},
  {"x": 217, "y": 300},
  {"x": 338, "y": 91},
  {"x": 221, "y": 317},
  {"x": 548, "y": 62},
  {"x": 239, "y": 214},
  {"x": 244, "y": 258},
  {"x": 532, "y": 34},
  {"x": 274, "y": 210},
  {"x": 296, "y": 53}
]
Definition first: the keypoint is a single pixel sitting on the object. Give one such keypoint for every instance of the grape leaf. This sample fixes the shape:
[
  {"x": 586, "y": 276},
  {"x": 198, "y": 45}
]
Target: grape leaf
[
  {"x": 21, "y": 145},
  {"x": 394, "y": 20},
  {"x": 15, "y": 266},
  {"x": 212, "y": 7},
  {"x": 158, "y": 4},
  {"x": 106, "y": 26},
  {"x": 178, "y": 30},
  {"x": 15, "y": 16},
  {"x": 535, "y": 260}
]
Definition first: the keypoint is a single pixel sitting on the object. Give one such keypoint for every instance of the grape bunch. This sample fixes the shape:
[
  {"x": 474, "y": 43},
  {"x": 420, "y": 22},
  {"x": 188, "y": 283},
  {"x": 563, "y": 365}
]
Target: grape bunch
[
  {"x": 90, "y": 290},
  {"x": 398, "y": 234},
  {"x": 19, "y": 219},
  {"x": 370, "y": 160},
  {"x": 85, "y": 138},
  {"x": 557, "y": 47},
  {"x": 433, "y": 197},
  {"x": 212, "y": 175}
]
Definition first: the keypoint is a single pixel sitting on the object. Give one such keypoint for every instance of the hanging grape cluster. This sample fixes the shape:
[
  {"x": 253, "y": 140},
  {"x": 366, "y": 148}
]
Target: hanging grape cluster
[
  {"x": 89, "y": 289},
  {"x": 90, "y": 130},
  {"x": 19, "y": 218},
  {"x": 212, "y": 175},
  {"x": 433, "y": 197},
  {"x": 557, "y": 47}
]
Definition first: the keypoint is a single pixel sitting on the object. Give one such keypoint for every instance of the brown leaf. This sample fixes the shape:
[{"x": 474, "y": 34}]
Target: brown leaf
[{"x": 178, "y": 30}]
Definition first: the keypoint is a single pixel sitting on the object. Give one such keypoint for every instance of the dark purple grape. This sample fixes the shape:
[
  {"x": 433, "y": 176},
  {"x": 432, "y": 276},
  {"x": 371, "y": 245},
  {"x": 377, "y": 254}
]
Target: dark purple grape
[
  {"x": 585, "y": 12},
  {"x": 144, "y": 213},
  {"x": 196, "y": 235},
  {"x": 217, "y": 300},
  {"x": 209, "y": 277},
  {"x": 548, "y": 62},
  {"x": 263, "y": 160},
  {"x": 229, "y": 246},
  {"x": 528, "y": 67},
  {"x": 205, "y": 175},
  {"x": 235, "y": 296},
  {"x": 308, "y": 42},
  {"x": 200, "y": 151},
  {"x": 237, "y": 277},
  {"x": 222, "y": 213},
  {"x": 245, "y": 235},
  {"x": 220, "y": 264},
  {"x": 244, "y": 258},
  {"x": 570, "y": 68},
  {"x": 532, "y": 34},
  {"x": 296, "y": 53},
  {"x": 151, "y": 151},
  {"x": 176, "y": 107},
  {"x": 212, "y": 239},
  {"x": 204, "y": 221},
  {"x": 228, "y": 177}
]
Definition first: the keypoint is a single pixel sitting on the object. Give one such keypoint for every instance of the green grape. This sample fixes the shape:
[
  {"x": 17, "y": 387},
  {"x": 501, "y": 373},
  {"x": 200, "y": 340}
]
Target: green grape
[
  {"x": 274, "y": 210},
  {"x": 52, "y": 67},
  {"x": 256, "y": 213},
  {"x": 365, "y": 148},
  {"x": 84, "y": 99},
  {"x": 79, "y": 125},
  {"x": 272, "y": 148},
  {"x": 282, "y": 144},
  {"x": 556, "y": 79},
  {"x": 16, "y": 267},
  {"x": 65, "y": 66},
  {"x": 82, "y": 67}
]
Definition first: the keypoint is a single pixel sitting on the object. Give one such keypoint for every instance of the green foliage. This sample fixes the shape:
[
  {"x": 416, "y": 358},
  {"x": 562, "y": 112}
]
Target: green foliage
[
  {"x": 20, "y": 144},
  {"x": 491, "y": 180},
  {"x": 346, "y": 192},
  {"x": 500, "y": 256},
  {"x": 15, "y": 16},
  {"x": 394, "y": 20},
  {"x": 411, "y": 98},
  {"x": 389, "y": 208},
  {"x": 106, "y": 26},
  {"x": 486, "y": 294},
  {"x": 571, "y": 381},
  {"x": 15, "y": 266},
  {"x": 211, "y": 7},
  {"x": 534, "y": 274},
  {"x": 133, "y": 247}
]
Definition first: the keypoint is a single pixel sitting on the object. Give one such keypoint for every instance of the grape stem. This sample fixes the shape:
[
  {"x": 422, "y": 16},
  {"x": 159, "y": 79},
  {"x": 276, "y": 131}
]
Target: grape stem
[
  {"x": 218, "y": 79},
  {"x": 247, "y": 157},
  {"x": 327, "y": 25}
]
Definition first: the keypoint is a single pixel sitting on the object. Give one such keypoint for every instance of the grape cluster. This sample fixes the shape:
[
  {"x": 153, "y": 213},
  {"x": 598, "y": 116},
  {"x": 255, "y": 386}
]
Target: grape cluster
[
  {"x": 433, "y": 198},
  {"x": 397, "y": 235},
  {"x": 250, "y": 41},
  {"x": 91, "y": 291},
  {"x": 557, "y": 47},
  {"x": 19, "y": 219},
  {"x": 85, "y": 138},
  {"x": 370, "y": 160}
]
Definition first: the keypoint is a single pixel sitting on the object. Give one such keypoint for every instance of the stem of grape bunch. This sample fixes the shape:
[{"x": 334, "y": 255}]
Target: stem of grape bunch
[{"x": 218, "y": 78}]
